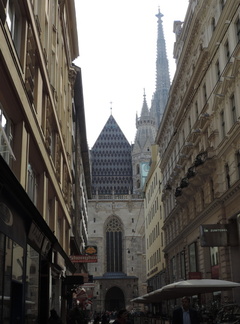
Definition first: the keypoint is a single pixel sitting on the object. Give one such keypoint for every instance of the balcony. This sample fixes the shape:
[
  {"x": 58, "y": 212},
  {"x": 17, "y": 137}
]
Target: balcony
[
  {"x": 188, "y": 146},
  {"x": 203, "y": 165}
]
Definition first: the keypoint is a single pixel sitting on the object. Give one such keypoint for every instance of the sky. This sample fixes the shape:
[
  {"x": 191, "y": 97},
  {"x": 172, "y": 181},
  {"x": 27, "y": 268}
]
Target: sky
[{"x": 118, "y": 46}]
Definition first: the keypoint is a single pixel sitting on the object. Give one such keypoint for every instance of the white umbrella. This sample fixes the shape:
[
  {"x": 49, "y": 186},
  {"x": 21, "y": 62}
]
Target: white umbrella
[{"x": 188, "y": 288}]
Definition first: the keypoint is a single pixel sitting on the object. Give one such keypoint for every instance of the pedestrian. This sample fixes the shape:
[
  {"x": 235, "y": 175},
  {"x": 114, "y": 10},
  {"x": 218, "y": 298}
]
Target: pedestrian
[
  {"x": 76, "y": 316},
  {"x": 104, "y": 318},
  {"x": 185, "y": 314},
  {"x": 97, "y": 319},
  {"x": 121, "y": 317},
  {"x": 54, "y": 318}
]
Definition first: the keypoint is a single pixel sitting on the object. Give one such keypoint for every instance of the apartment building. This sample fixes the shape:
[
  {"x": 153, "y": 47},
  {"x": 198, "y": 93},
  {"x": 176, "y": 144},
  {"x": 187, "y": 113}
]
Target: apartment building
[
  {"x": 199, "y": 145},
  {"x": 154, "y": 217},
  {"x": 38, "y": 42}
]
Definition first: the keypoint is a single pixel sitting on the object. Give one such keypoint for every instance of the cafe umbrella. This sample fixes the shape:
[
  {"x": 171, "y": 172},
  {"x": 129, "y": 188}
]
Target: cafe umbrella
[{"x": 186, "y": 288}]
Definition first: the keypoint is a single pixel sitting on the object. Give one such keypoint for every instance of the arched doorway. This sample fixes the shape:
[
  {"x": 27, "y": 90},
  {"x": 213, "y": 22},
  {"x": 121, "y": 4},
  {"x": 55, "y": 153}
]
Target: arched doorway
[{"x": 114, "y": 299}]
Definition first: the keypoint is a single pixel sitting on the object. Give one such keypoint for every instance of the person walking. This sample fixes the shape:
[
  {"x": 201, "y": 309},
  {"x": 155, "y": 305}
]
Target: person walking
[
  {"x": 121, "y": 317},
  {"x": 54, "y": 318},
  {"x": 185, "y": 314}
]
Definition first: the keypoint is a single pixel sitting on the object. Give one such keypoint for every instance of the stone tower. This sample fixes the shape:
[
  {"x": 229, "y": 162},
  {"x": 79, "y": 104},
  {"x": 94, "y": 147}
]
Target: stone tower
[
  {"x": 116, "y": 223},
  {"x": 141, "y": 153},
  {"x": 148, "y": 122}
]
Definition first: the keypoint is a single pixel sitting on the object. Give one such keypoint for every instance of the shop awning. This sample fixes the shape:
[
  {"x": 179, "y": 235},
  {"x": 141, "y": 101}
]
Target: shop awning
[{"x": 186, "y": 288}]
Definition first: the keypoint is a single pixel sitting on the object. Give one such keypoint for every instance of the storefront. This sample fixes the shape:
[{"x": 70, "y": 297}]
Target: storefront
[{"x": 32, "y": 263}]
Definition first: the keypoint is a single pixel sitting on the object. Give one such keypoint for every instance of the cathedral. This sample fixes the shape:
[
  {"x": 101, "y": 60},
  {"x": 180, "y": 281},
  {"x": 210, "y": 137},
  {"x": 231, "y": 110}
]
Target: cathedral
[{"x": 116, "y": 211}]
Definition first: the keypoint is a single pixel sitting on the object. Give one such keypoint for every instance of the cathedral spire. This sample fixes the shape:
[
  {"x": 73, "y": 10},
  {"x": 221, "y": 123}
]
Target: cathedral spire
[
  {"x": 111, "y": 108},
  {"x": 145, "y": 110},
  {"x": 162, "y": 74}
]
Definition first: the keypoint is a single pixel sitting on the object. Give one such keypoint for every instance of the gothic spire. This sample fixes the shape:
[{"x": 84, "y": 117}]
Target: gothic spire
[
  {"x": 162, "y": 74},
  {"x": 145, "y": 110}
]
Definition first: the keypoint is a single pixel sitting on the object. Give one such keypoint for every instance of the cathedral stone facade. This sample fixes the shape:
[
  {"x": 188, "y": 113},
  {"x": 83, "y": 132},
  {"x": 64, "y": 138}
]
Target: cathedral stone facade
[
  {"x": 116, "y": 210},
  {"x": 116, "y": 223}
]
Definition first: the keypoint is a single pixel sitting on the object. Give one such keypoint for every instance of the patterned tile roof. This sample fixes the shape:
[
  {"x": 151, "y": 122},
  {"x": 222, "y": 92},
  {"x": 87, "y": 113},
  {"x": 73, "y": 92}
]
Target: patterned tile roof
[{"x": 111, "y": 161}]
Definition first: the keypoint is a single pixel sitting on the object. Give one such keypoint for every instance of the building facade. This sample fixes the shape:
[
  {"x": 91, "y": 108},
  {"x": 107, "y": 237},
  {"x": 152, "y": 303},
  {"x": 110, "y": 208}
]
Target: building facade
[
  {"x": 199, "y": 146},
  {"x": 154, "y": 217},
  {"x": 115, "y": 223},
  {"x": 38, "y": 44}
]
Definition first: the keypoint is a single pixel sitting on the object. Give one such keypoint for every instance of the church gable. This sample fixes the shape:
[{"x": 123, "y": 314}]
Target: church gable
[{"x": 111, "y": 161}]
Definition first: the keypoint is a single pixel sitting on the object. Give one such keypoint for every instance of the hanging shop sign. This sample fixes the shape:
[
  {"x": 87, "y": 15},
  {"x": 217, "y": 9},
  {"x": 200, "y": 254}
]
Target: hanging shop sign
[
  {"x": 91, "y": 250},
  {"x": 218, "y": 235},
  {"x": 89, "y": 255},
  {"x": 83, "y": 258}
]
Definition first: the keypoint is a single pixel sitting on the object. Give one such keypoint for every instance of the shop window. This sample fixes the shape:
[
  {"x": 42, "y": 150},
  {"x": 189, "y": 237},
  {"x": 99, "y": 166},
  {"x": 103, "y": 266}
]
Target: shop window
[
  {"x": 5, "y": 276},
  {"x": 11, "y": 281},
  {"x": 2, "y": 254},
  {"x": 32, "y": 283}
]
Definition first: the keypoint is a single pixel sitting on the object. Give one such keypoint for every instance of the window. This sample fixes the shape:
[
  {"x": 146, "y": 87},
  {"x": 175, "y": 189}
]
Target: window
[
  {"x": 196, "y": 110},
  {"x": 205, "y": 93},
  {"x": 183, "y": 136},
  {"x": 189, "y": 124},
  {"x": 138, "y": 184},
  {"x": 238, "y": 163},
  {"x": 192, "y": 250},
  {"x": 227, "y": 174},
  {"x": 217, "y": 70},
  {"x": 222, "y": 120},
  {"x": 114, "y": 245},
  {"x": 12, "y": 276},
  {"x": 15, "y": 23},
  {"x": 182, "y": 265},
  {"x": 211, "y": 189},
  {"x": 53, "y": 137},
  {"x": 213, "y": 24},
  {"x": 173, "y": 269},
  {"x": 238, "y": 29},
  {"x": 227, "y": 50},
  {"x": 32, "y": 281},
  {"x": 5, "y": 136},
  {"x": 233, "y": 109},
  {"x": 222, "y": 4},
  {"x": 214, "y": 256},
  {"x": 137, "y": 169},
  {"x": 32, "y": 184}
]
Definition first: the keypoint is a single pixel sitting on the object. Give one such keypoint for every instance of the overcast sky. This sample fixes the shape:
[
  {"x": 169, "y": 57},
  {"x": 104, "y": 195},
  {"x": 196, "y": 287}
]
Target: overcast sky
[{"x": 117, "y": 45}]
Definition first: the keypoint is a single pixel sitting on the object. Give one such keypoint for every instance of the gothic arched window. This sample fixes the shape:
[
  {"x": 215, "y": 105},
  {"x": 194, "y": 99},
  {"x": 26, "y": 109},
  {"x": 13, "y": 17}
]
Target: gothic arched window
[{"x": 114, "y": 245}]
